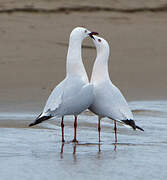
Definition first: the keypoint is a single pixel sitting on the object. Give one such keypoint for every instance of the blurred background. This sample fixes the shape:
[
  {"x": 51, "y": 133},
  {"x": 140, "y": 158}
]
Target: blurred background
[{"x": 34, "y": 41}]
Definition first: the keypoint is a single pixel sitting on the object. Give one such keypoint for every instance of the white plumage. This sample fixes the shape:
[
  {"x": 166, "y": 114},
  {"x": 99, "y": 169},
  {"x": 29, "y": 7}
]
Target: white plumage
[
  {"x": 74, "y": 94},
  {"x": 70, "y": 97},
  {"x": 108, "y": 101}
]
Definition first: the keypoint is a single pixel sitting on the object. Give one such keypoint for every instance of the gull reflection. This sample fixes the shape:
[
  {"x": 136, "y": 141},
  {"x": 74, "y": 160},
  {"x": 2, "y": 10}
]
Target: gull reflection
[
  {"x": 61, "y": 151},
  {"x": 115, "y": 147},
  {"x": 99, "y": 147},
  {"x": 74, "y": 153},
  {"x": 74, "y": 148}
]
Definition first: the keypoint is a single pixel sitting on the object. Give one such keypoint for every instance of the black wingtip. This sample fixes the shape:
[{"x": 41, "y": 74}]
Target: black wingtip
[
  {"x": 39, "y": 120},
  {"x": 32, "y": 124},
  {"x": 137, "y": 127},
  {"x": 130, "y": 123}
]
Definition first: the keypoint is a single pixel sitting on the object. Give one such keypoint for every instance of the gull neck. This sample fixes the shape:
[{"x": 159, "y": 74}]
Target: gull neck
[
  {"x": 100, "y": 69},
  {"x": 74, "y": 65}
]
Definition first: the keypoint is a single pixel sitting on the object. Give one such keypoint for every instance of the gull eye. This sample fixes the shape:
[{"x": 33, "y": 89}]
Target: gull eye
[
  {"x": 86, "y": 31},
  {"x": 99, "y": 40}
]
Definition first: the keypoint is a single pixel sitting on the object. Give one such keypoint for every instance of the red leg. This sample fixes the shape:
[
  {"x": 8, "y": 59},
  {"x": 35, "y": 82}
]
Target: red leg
[
  {"x": 62, "y": 128},
  {"x": 115, "y": 130},
  {"x": 75, "y": 129},
  {"x": 99, "y": 128}
]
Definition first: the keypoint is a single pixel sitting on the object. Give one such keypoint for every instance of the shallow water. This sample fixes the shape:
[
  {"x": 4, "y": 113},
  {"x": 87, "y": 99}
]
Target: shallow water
[{"x": 37, "y": 153}]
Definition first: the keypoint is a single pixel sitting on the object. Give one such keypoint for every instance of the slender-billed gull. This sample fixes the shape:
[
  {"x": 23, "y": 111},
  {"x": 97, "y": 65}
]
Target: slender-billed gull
[
  {"x": 74, "y": 94},
  {"x": 108, "y": 101}
]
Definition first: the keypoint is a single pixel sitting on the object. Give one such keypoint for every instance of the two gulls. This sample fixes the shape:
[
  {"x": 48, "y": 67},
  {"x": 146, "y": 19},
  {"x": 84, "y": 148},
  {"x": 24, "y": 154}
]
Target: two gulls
[{"x": 75, "y": 94}]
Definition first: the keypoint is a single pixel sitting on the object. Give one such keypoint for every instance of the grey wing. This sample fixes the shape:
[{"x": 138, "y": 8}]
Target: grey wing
[
  {"x": 55, "y": 98},
  {"x": 123, "y": 107},
  {"x": 112, "y": 103},
  {"x": 66, "y": 98}
]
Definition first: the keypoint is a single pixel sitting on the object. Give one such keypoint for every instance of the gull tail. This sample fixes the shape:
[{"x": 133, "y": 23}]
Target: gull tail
[
  {"x": 40, "y": 119},
  {"x": 132, "y": 124}
]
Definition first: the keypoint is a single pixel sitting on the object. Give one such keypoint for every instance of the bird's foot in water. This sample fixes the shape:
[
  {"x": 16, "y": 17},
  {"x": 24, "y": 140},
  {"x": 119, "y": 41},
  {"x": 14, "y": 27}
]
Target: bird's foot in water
[{"x": 75, "y": 141}]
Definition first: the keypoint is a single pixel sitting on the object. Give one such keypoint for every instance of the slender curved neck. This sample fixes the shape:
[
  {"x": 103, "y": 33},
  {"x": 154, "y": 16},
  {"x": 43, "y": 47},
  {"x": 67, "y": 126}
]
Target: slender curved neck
[
  {"x": 74, "y": 64},
  {"x": 100, "y": 68}
]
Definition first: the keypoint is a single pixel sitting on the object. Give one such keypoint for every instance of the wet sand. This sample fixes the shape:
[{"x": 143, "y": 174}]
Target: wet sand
[{"x": 37, "y": 153}]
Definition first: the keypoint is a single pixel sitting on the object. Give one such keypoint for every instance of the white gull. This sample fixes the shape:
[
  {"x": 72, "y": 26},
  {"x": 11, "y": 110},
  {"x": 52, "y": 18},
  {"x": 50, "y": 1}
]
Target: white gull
[
  {"x": 74, "y": 94},
  {"x": 108, "y": 101}
]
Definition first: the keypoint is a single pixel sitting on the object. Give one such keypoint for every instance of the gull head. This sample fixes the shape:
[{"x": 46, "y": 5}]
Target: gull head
[
  {"x": 100, "y": 43},
  {"x": 82, "y": 33}
]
